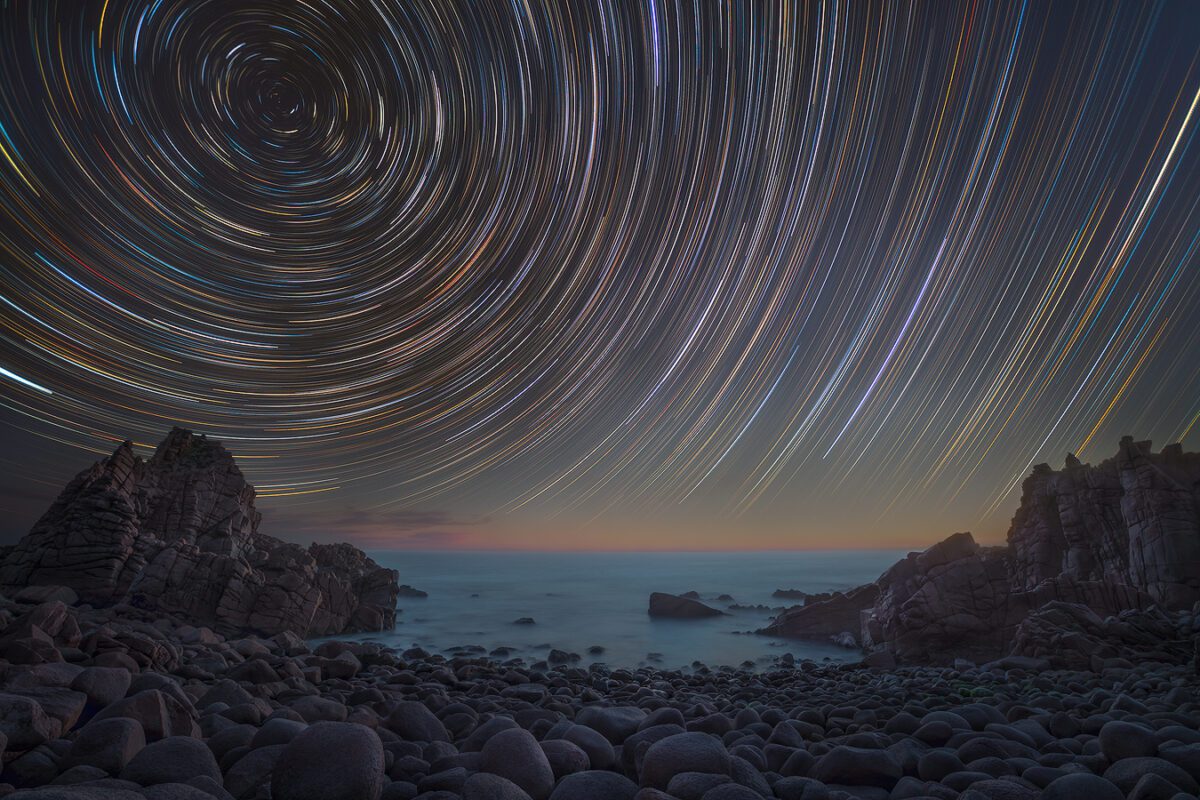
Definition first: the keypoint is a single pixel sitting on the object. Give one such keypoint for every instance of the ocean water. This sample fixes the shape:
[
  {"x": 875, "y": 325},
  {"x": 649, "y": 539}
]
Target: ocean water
[{"x": 579, "y": 600}]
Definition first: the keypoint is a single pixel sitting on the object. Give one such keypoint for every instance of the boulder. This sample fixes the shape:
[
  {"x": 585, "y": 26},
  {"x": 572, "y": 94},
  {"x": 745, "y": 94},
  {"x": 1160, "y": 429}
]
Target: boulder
[
  {"x": 24, "y": 723},
  {"x": 614, "y": 723},
  {"x": 414, "y": 722},
  {"x": 486, "y": 786},
  {"x": 683, "y": 752},
  {"x": 514, "y": 754},
  {"x": 109, "y": 744},
  {"x": 595, "y": 785},
  {"x": 159, "y": 714},
  {"x": 102, "y": 685},
  {"x": 172, "y": 760},
  {"x": 857, "y": 766},
  {"x": 330, "y": 761}
]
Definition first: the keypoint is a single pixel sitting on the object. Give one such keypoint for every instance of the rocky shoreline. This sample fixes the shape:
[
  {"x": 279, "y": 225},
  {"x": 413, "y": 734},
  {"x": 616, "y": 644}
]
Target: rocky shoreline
[
  {"x": 152, "y": 648},
  {"x": 128, "y": 704},
  {"x": 1087, "y": 543}
]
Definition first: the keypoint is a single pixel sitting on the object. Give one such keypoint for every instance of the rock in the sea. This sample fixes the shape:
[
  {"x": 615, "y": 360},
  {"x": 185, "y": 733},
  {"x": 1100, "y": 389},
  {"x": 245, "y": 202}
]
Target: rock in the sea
[
  {"x": 828, "y": 617},
  {"x": 679, "y": 607},
  {"x": 179, "y": 533},
  {"x": 330, "y": 761}
]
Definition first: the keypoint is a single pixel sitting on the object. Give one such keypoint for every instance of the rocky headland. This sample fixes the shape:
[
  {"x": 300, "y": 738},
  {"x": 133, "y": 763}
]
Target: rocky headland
[
  {"x": 178, "y": 533},
  {"x": 1082, "y": 688},
  {"x": 1094, "y": 554}
]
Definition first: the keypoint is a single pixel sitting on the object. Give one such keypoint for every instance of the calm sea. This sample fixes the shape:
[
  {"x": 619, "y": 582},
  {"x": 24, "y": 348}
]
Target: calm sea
[{"x": 579, "y": 600}]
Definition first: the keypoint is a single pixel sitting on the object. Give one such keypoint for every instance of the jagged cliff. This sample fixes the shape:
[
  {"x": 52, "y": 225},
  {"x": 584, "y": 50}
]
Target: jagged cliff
[
  {"x": 1120, "y": 536},
  {"x": 179, "y": 533}
]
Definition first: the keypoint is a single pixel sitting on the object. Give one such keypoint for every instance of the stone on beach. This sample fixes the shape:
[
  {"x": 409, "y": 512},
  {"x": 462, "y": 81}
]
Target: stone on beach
[{"x": 330, "y": 761}]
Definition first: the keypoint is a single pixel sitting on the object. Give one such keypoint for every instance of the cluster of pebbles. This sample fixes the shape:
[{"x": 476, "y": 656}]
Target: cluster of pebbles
[{"x": 127, "y": 704}]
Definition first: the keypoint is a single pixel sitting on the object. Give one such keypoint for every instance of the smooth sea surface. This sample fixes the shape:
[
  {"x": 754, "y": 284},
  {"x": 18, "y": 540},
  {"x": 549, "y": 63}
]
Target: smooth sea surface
[{"x": 578, "y": 600}]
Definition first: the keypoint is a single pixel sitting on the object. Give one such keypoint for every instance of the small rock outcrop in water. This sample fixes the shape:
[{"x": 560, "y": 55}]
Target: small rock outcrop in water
[
  {"x": 679, "y": 607},
  {"x": 178, "y": 533},
  {"x": 1120, "y": 536}
]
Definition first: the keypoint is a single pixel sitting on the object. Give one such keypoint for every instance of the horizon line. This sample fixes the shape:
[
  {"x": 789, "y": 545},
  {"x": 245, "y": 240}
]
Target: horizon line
[{"x": 863, "y": 549}]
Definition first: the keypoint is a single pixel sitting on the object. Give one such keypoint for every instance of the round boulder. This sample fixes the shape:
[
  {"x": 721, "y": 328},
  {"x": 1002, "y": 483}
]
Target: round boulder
[
  {"x": 514, "y": 754},
  {"x": 565, "y": 758},
  {"x": 486, "y": 786},
  {"x": 1125, "y": 740},
  {"x": 683, "y": 752},
  {"x": 330, "y": 761},
  {"x": 1128, "y": 771},
  {"x": 1082, "y": 786},
  {"x": 109, "y": 744},
  {"x": 857, "y": 766},
  {"x": 595, "y": 785},
  {"x": 172, "y": 760},
  {"x": 413, "y": 722}
]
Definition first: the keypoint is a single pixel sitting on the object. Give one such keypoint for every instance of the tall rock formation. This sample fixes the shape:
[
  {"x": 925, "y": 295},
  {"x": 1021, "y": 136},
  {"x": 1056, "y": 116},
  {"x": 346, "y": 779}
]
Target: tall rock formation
[
  {"x": 1118, "y": 536},
  {"x": 179, "y": 533}
]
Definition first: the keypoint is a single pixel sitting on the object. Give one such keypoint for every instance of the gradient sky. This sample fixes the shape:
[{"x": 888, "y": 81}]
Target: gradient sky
[{"x": 653, "y": 274}]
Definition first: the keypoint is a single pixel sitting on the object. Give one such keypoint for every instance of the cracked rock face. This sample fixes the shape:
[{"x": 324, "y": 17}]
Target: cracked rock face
[
  {"x": 179, "y": 533},
  {"x": 1120, "y": 536}
]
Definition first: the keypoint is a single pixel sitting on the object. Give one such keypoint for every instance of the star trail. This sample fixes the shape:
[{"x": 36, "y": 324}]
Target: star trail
[{"x": 782, "y": 272}]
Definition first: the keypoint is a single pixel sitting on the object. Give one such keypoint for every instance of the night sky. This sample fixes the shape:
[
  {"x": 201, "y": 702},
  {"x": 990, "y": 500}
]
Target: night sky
[{"x": 574, "y": 274}]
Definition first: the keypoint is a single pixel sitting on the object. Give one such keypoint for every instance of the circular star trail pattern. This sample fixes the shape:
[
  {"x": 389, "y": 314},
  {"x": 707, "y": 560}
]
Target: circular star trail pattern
[{"x": 574, "y": 257}]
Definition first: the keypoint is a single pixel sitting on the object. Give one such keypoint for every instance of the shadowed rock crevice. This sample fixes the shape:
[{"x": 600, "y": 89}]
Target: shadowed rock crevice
[{"x": 178, "y": 533}]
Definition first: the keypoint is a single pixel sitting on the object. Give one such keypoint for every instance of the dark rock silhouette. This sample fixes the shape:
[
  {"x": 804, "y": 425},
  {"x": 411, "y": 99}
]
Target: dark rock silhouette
[
  {"x": 1120, "y": 536},
  {"x": 178, "y": 533},
  {"x": 679, "y": 607}
]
